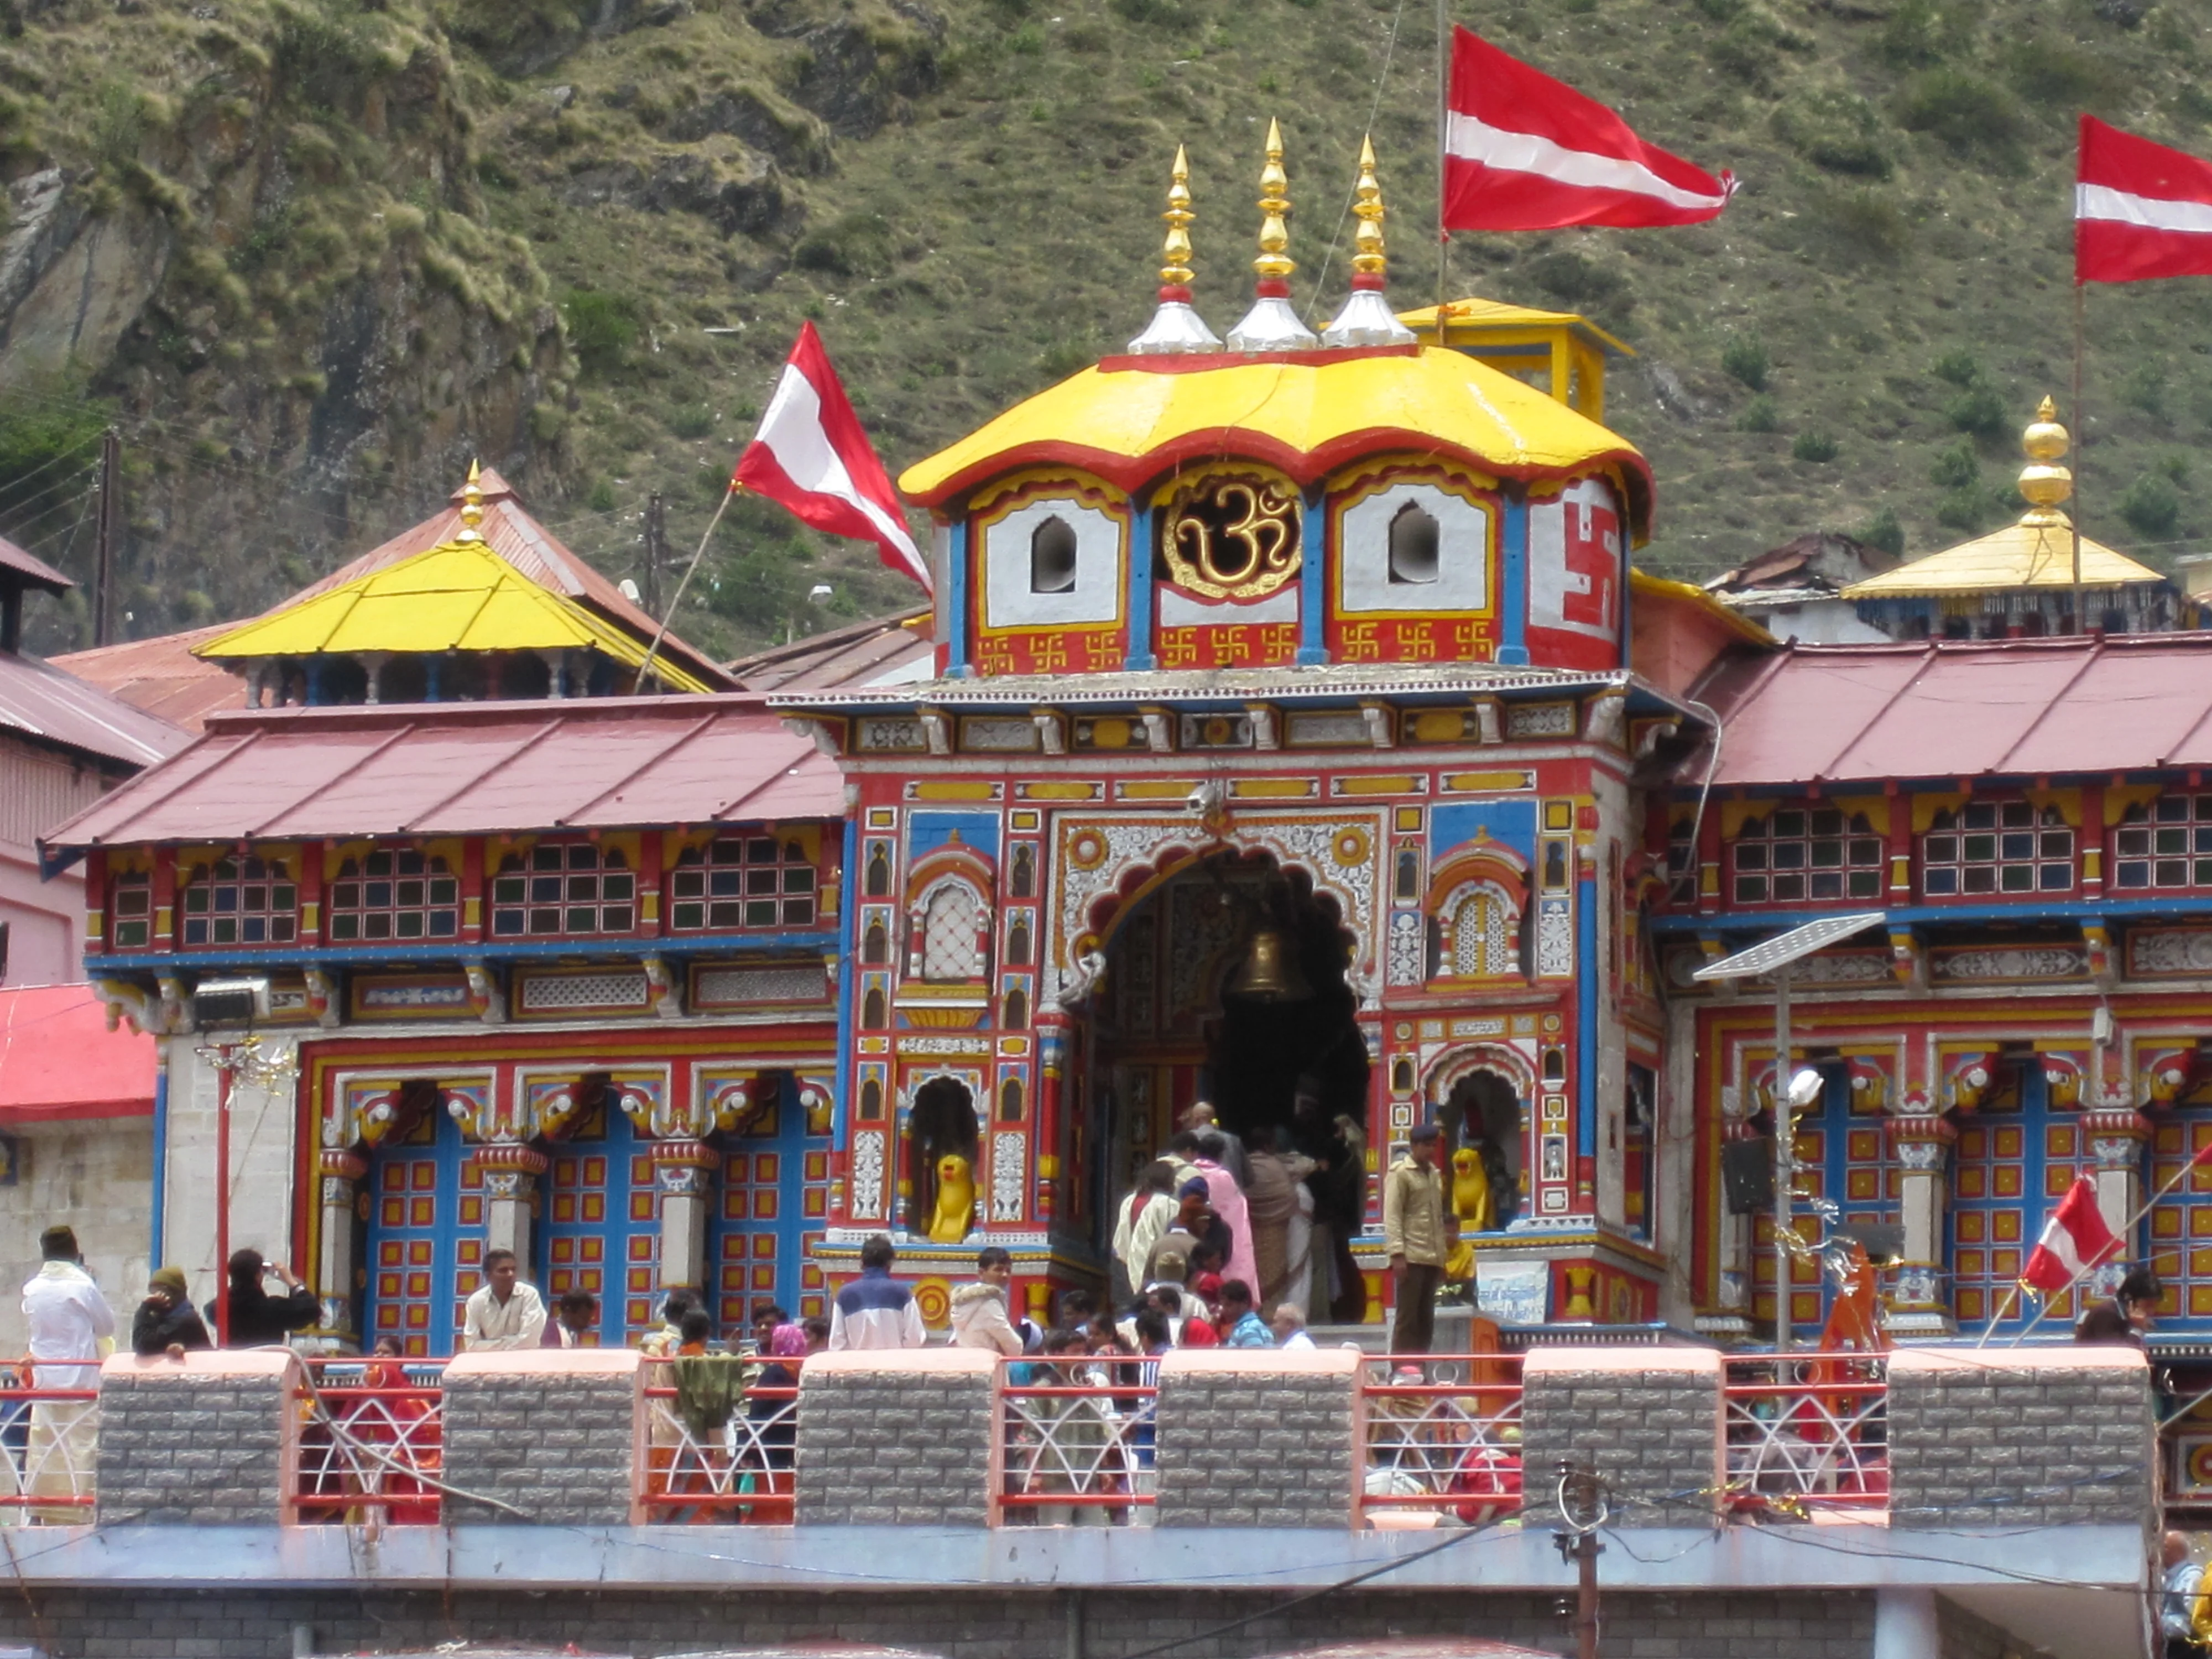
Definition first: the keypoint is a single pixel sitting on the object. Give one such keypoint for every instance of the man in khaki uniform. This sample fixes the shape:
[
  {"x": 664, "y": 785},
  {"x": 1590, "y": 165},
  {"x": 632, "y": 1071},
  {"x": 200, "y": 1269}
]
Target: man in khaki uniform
[{"x": 1413, "y": 1235}]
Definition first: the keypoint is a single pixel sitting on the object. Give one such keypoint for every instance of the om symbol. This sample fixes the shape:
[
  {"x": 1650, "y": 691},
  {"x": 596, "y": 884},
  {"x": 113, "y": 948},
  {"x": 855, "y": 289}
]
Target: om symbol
[{"x": 1236, "y": 538}]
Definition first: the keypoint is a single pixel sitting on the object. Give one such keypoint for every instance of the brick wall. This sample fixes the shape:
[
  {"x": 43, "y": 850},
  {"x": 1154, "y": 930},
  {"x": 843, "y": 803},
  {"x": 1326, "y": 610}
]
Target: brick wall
[
  {"x": 1648, "y": 1420},
  {"x": 1258, "y": 1437},
  {"x": 901, "y": 1438},
  {"x": 209, "y": 1439},
  {"x": 2017, "y": 1436},
  {"x": 552, "y": 1433}
]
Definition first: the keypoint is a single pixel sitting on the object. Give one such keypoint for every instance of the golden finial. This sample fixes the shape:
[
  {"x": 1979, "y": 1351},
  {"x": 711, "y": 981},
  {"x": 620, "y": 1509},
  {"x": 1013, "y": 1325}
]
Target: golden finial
[
  {"x": 1274, "y": 265},
  {"x": 471, "y": 506},
  {"x": 1367, "y": 257},
  {"x": 1175, "y": 272},
  {"x": 2043, "y": 482}
]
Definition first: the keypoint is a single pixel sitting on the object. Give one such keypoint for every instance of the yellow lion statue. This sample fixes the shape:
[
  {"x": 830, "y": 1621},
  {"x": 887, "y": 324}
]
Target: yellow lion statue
[
  {"x": 955, "y": 1200},
  {"x": 1470, "y": 1202}
]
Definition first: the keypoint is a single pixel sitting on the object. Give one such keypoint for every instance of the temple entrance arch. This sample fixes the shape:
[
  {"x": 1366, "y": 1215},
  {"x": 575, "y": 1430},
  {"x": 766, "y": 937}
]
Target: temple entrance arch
[{"x": 1481, "y": 1097}]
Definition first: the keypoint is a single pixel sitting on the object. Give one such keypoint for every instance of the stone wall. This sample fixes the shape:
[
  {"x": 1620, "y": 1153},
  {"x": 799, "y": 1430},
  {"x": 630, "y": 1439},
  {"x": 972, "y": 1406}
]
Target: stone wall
[
  {"x": 2018, "y": 1436},
  {"x": 95, "y": 1175},
  {"x": 903, "y": 1438},
  {"x": 209, "y": 1439},
  {"x": 1647, "y": 1421},
  {"x": 555, "y": 1435},
  {"x": 1258, "y": 1437}
]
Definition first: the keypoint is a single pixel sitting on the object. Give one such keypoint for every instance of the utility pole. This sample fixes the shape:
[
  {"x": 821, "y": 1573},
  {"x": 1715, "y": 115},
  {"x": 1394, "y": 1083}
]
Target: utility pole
[
  {"x": 103, "y": 566},
  {"x": 1582, "y": 1512},
  {"x": 656, "y": 551}
]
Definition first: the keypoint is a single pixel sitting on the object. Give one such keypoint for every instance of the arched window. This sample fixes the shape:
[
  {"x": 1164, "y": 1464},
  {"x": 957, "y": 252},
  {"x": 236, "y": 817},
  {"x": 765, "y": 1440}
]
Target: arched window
[
  {"x": 1800, "y": 853},
  {"x": 879, "y": 871},
  {"x": 1484, "y": 942},
  {"x": 952, "y": 935},
  {"x": 1022, "y": 883},
  {"x": 556, "y": 889},
  {"x": 397, "y": 895},
  {"x": 1997, "y": 846},
  {"x": 1017, "y": 943},
  {"x": 872, "y": 1101},
  {"x": 1010, "y": 1101},
  {"x": 875, "y": 944},
  {"x": 1017, "y": 1011},
  {"x": 130, "y": 911},
  {"x": 1052, "y": 557},
  {"x": 247, "y": 901},
  {"x": 1414, "y": 540},
  {"x": 873, "y": 1013}
]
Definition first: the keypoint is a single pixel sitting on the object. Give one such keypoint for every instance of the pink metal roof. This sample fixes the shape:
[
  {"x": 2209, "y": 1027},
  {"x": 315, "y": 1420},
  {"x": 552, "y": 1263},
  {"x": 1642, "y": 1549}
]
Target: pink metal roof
[
  {"x": 470, "y": 769},
  {"x": 883, "y": 650},
  {"x": 32, "y": 572},
  {"x": 58, "y": 1060},
  {"x": 1850, "y": 713},
  {"x": 40, "y": 702},
  {"x": 161, "y": 675}
]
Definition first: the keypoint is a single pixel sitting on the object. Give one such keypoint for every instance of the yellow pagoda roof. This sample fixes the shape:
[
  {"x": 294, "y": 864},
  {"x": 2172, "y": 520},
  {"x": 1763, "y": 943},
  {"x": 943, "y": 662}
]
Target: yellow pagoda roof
[
  {"x": 1479, "y": 316},
  {"x": 1128, "y": 419},
  {"x": 456, "y": 596},
  {"x": 2023, "y": 555}
]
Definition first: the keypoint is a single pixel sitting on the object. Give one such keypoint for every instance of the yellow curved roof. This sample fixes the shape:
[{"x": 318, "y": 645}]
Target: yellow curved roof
[
  {"x": 1306, "y": 412},
  {"x": 2036, "y": 552},
  {"x": 456, "y": 596}
]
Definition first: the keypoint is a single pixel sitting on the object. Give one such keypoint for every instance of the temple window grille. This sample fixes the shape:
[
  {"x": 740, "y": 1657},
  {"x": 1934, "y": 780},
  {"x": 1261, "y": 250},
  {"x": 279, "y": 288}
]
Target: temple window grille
[
  {"x": 1798, "y": 854},
  {"x": 248, "y": 901},
  {"x": 1484, "y": 945},
  {"x": 387, "y": 896},
  {"x": 1997, "y": 846},
  {"x": 952, "y": 945},
  {"x": 754, "y": 881},
  {"x": 2165, "y": 844},
  {"x": 558, "y": 888},
  {"x": 130, "y": 911}
]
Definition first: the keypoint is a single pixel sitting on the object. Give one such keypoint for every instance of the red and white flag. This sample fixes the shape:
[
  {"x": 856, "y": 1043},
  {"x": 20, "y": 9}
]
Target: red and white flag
[
  {"x": 812, "y": 456},
  {"x": 2075, "y": 1240},
  {"x": 2140, "y": 209},
  {"x": 1525, "y": 152}
]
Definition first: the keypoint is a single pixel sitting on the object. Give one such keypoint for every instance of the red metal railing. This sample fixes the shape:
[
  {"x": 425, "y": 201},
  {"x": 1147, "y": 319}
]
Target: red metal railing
[
  {"x": 371, "y": 1441},
  {"x": 1809, "y": 1432},
  {"x": 1075, "y": 1439},
  {"x": 49, "y": 1443},
  {"x": 739, "y": 1473},
  {"x": 1442, "y": 1439}
]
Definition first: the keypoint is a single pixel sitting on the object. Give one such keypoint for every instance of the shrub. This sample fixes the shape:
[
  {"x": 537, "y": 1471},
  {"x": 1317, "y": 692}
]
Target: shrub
[
  {"x": 1759, "y": 415},
  {"x": 1967, "y": 115},
  {"x": 1915, "y": 33},
  {"x": 1883, "y": 530},
  {"x": 2145, "y": 389},
  {"x": 854, "y": 245},
  {"x": 2051, "y": 73},
  {"x": 1959, "y": 368},
  {"x": 1745, "y": 358},
  {"x": 1581, "y": 283},
  {"x": 2152, "y": 506},
  {"x": 691, "y": 419},
  {"x": 602, "y": 326},
  {"x": 1837, "y": 131},
  {"x": 1963, "y": 509},
  {"x": 1814, "y": 446},
  {"x": 1956, "y": 468},
  {"x": 1978, "y": 409},
  {"x": 602, "y": 498},
  {"x": 1861, "y": 226}
]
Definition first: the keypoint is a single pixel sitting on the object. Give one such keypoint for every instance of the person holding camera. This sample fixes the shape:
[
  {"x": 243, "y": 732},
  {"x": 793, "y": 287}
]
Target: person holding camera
[
  {"x": 166, "y": 1322},
  {"x": 256, "y": 1319}
]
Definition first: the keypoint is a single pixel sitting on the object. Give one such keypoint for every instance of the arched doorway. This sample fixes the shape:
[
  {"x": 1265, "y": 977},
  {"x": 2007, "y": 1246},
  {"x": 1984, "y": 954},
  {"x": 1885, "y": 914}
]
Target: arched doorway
[
  {"x": 1482, "y": 1110},
  {"x": 1193, "y": 1005}
]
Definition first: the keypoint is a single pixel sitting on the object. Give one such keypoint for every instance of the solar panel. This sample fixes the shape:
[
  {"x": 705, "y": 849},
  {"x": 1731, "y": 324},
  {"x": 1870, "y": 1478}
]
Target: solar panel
[{"x": 1786, "y": 948}]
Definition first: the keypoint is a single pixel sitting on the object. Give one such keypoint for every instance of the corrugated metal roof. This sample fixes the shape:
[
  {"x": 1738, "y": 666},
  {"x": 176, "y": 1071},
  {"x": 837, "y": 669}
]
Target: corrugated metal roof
[
  {"x": 40, "y": 701},
  {"x": 883, "y": 650},
  {"x": 161, "y": 675},
  {"x": 60, "y": 1060},
  {"x": 1850, "y": 714},
  {"x": 470, "y": 769},
  {"x": 33, "y": 572}
]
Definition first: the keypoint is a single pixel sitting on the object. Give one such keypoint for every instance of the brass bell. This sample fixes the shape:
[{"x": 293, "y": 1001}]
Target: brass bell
[{"x": 1270, "y": 973}]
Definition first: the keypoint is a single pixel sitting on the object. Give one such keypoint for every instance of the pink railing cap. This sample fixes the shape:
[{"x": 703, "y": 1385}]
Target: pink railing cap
[
  {"x": 1564, "y": 1361},
  {"x": 547, "y": 1361},
  {"x": 941, "y": 1362},
  {"x": 201, "y": 1362},
  {"x": 2066, "y": 1356},
  {"x": 1272, "y": 1362}
]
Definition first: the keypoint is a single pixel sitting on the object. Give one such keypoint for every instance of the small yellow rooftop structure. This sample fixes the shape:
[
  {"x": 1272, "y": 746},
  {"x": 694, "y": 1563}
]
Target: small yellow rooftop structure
[
  {"x": 459, "y": 596},
  {"x": 2036, "y": 552},
  {"x": 1560, "y": 354}
]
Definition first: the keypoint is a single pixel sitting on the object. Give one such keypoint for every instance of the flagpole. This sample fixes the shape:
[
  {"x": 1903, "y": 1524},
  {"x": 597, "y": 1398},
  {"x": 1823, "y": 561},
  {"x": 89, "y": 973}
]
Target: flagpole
[
  {"x": 2011, "y": 1296},
  {"x": 2080, "y": 453},
  {"x": 2119, "y": 1241},
  {"x": 1443, "y": 131},
  {"x": 661, "y": 632}
]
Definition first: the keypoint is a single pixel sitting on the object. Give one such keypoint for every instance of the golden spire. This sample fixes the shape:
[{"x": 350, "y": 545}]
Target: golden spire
[
  {"x": 471, "y": 506},
  {"x": 1368, "y": 259},
  {"x": 2043, "y": 482},
  {"x": 1175, "y": 270},
  {"x": 1274, "y": 265}
]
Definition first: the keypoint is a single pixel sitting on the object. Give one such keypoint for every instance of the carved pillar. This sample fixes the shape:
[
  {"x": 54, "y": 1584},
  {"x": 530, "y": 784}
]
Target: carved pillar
[
  {"x": 684, "y": 1170},
  {"x": 2117, "y": 1138},
  {"x": 337, "y": 1262},
  {"x": 1922, "y": 1141},
  {"x": 510, "y": 1176},
  {"x": 1052, "y": 1075}
]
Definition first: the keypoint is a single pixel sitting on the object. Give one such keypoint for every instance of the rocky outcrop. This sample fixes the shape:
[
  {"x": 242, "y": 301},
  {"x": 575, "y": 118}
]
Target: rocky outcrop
[{"x": 72, "y": 282}]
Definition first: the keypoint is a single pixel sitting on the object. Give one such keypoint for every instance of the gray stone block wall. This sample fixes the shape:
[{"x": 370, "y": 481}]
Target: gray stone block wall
[
  {"x": 1982, "y": 1438},
  {"x": 1252, "y": 1447},
  {"x": 1648, "y": 1423},
  {"x": 207, "y": 1441},
  {"x": 906, "y": 1442},
  {"x": 555, "y": 1446}
]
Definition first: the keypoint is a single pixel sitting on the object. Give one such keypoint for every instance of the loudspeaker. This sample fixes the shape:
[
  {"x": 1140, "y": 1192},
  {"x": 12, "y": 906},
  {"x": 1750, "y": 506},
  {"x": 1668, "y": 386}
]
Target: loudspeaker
[{"x": 1747, "y": 1175}]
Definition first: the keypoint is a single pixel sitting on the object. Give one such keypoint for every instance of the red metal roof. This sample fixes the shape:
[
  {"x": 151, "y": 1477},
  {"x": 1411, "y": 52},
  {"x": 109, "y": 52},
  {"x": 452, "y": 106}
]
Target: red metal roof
[
  {"x": 161, "y": 675},
  {"x": 32, "y": 571},
  {"x": 38, "y": 701},
  {"x": 469, "y": 769},
  {"x": 58, "y": 1060},
  {"x": 1846, "y": 713},
  {"x": 883, "y": 650}
]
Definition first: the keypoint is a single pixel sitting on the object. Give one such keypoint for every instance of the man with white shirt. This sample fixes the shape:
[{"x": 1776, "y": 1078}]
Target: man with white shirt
[
  {"x": 72, "y": 1329},
  {"x": 503, "y": 1314},
  {"x": 875, "y": 1310}
]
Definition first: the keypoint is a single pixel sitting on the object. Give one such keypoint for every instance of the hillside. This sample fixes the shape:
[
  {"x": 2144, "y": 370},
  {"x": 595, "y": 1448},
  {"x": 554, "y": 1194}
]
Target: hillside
[{"x": 310, "y": 254}]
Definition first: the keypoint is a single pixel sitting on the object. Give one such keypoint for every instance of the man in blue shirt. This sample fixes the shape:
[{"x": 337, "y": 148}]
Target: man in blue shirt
[
  {"x": 1241, "y": 1326},
  {"x": 875, "y": 1310}
]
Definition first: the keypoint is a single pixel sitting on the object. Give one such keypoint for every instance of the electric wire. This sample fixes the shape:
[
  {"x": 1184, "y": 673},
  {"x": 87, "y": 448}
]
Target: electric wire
[{"x": 1374, "y": 109}]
